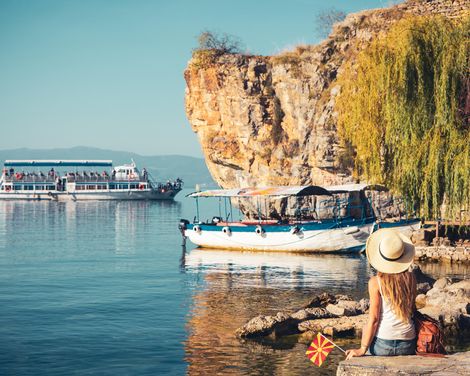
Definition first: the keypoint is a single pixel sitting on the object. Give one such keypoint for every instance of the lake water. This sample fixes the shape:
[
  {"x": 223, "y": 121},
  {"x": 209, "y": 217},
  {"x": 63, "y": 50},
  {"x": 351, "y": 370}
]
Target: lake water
[{"x": 104, "y": 288}]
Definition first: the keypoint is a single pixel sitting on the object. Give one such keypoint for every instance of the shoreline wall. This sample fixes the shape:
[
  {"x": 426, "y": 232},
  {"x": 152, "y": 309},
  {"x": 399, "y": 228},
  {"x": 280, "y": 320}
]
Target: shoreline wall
[{"x": 443, "y": 253}]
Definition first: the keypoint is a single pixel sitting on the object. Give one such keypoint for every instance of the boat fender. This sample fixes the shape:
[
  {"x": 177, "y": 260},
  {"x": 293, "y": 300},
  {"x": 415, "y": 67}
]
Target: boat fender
[
  {"x": 259, "y": 230},
  {"x": 226, "y": 230},
  {"x": 141, "y": 186},
  {"x": 294, "y": 230},
  {"x": 351, "y": 230},
  {"x": 216, "y": 220},
  {"x": 197, "y": 228}
]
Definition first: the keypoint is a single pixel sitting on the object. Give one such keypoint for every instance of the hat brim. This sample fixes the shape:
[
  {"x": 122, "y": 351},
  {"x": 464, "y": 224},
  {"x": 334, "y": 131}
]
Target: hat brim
[{"x": 385, "y": 266}]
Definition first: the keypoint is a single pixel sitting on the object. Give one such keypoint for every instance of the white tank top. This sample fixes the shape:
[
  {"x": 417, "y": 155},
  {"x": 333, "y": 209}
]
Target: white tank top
[{"x": 390, "y": 326}]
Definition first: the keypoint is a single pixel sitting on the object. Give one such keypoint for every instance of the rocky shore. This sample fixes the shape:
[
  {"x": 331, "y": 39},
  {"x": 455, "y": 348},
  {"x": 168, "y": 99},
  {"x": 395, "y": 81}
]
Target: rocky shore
[{"x": 446, "y": 300}]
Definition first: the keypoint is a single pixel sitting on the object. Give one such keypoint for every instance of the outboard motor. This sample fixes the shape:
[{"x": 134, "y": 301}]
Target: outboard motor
[{"x": 183, "y": 225}]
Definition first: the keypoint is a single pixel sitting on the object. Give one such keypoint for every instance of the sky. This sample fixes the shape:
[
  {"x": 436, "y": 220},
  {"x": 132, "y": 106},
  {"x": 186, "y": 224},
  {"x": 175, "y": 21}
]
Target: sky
[{"x": 109, "y": 73}]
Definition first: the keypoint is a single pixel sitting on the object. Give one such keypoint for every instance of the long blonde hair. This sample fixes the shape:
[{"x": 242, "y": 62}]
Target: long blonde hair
[{"x": 400, "y": 291}]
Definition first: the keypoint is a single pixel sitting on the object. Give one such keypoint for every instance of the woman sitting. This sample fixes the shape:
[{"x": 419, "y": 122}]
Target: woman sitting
[{"x": 390, "y": 329}]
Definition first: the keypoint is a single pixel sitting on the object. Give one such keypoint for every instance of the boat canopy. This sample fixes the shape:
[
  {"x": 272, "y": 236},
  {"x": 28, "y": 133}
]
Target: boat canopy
[
  {"x": 346, "y": 188},
  {"x": 303, "y": 190},
  {"x": 57, "y": 163}
]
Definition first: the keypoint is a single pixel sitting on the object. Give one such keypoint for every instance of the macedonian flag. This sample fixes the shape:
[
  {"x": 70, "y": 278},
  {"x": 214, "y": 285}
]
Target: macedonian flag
[{"x": 319, "y": 349}]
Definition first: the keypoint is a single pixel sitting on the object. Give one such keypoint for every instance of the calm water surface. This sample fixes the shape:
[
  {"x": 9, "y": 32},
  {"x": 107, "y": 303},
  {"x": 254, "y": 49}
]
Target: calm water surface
[{"x": 101, "y": 288}]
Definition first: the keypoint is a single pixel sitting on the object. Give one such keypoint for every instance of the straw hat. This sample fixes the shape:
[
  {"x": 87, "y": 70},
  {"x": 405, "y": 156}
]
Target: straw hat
[{"x": 389, "y": 251}]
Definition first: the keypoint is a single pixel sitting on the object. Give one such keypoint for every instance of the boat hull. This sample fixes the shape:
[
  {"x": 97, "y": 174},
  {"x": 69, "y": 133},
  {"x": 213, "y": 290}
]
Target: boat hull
[
  {"x": 347, "y": 236},
  {"x": 90, "y": 195}
]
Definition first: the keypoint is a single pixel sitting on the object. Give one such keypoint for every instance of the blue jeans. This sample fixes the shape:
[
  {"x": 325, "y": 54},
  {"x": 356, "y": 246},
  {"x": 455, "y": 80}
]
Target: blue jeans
[{"x": 391, "y": 347}]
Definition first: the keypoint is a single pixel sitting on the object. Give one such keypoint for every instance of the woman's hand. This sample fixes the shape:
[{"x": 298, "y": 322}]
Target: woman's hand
[{"x": 355, "y": 352}]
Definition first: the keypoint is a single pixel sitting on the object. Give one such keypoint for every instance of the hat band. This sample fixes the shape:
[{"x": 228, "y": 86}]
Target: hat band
[{"x": 389, "y": 258}]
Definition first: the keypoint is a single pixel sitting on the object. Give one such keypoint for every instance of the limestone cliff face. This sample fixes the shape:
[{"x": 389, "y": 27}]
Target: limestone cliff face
[{"x": 270, "y": 120}]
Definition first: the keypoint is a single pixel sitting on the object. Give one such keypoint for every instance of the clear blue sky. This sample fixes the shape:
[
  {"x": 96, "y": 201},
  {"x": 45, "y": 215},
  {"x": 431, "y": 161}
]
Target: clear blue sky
[{"x": 109, "y": 73}]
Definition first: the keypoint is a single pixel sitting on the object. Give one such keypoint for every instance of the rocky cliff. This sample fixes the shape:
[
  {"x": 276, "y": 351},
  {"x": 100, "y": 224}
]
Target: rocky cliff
[{"x": 270, "y": 120}]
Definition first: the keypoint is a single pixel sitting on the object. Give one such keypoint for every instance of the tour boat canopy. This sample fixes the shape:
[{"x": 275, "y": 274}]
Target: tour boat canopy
[
  {"x": 346, "y": 188},
  {"x": 304, "y": 190},
  {"x": 57, "y": 163}
]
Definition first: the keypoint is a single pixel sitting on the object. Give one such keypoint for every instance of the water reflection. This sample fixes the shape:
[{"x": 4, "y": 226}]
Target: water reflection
[
  {"x": 279, "y": 269},
  {"x": 446, "y": 269},
  {"x": 120, "y": 227},
  {"x": 240, "y": 285}
]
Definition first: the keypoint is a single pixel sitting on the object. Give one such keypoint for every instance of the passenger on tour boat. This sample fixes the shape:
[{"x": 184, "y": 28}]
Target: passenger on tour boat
[{"x": 390, "y": 329}]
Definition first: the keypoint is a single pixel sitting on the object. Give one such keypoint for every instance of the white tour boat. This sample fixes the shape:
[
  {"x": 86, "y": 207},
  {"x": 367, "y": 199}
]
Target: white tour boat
[
  {"x": 124, "y": 182},
  {"x": 348, "y": 222}
]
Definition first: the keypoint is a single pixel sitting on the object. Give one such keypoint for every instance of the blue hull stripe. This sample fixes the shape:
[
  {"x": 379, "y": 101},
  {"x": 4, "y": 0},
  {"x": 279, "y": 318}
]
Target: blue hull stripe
[{"x": 310, "y": 226}]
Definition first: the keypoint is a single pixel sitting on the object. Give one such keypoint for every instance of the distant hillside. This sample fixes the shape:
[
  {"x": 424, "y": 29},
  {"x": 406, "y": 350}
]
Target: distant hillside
[{"x": 191, "y": 170}]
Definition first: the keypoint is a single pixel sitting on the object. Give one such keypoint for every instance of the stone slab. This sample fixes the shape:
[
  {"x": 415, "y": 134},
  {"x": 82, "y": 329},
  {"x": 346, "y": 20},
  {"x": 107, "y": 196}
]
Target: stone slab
[{"x": 452, "y": 365}]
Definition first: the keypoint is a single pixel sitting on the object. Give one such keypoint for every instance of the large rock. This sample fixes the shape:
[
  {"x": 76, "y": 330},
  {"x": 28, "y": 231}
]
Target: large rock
[
  {"x": 338, "y": 315},
  {"x": 338, "y": 326},
  {"x": 280, "y": 324},
  {"x": 452, "y": 365},
  {"x": 345, "y": 308},
  {"x": 311, "y": 313},
  {"x": 450, "y": 304},
  {"x": 321, "y": 300},
  {"x": 271, "y": 120}
]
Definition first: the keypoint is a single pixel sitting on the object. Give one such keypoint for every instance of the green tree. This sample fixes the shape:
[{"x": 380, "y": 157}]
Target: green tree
[
  {"x": 402, "y": 107},
  {"x": 221, "y": 42},
  {"x": 211, "y": 45}
]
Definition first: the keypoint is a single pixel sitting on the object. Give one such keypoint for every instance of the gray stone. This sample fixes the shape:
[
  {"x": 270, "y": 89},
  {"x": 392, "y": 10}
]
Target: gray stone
[
  {"x": 280, "y": 324},
  {"x": 455, "y": 365},
  {"x": 321, "y": 300},
  {"x": 311, "y": 313},
  {"x": 344, "y": 308},
  {"x": 441, "y": 283},
  {"x": 335, "y": 326},
  {"x": 364, "y": 305},
  {"x": 423, "y": 288},
  {"x": 420, "y": 301}
]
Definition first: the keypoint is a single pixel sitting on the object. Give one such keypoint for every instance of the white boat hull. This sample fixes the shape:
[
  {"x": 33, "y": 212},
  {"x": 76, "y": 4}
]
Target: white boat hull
[
  {"x": 348, "y": 239},
  {"x": 338, "y": 239},
  {"x": 91, "y": 195}
]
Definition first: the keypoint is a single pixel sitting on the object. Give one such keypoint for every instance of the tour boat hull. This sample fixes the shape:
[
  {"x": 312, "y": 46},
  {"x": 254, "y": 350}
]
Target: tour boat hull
[
  {"x": 90, "y": 195},
  {"x": 328, "y": 236}
]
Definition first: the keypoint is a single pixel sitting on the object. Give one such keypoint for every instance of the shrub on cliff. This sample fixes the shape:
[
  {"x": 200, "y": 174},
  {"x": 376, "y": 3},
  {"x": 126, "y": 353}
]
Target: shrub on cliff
[
  {"x": 403, "y": 106},
  {"x": 211, "y": 45}
]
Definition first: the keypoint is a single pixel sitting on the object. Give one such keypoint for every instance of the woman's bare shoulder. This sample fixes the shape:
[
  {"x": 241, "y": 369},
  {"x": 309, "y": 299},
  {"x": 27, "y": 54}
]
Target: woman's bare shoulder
[{"x": 373, "y": 282}]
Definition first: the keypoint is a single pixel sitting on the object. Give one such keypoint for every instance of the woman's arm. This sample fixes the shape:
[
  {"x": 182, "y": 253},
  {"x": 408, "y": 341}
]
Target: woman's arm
[{"x": 372, "y": 324}]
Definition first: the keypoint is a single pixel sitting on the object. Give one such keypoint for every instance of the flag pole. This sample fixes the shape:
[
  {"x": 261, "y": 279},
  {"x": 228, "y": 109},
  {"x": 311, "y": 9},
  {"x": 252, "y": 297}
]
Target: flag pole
[{"x": 333, "y": 343}]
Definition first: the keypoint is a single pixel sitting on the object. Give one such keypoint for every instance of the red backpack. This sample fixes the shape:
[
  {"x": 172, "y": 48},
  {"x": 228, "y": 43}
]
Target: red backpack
[{"x": 429, "y": 336}]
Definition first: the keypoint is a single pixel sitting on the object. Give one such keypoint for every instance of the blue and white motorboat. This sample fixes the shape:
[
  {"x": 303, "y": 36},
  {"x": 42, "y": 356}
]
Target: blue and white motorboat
[{"x": 338, "y": 219}]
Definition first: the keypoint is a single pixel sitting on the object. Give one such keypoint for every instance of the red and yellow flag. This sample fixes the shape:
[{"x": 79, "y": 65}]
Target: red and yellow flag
[{"x": 319, "y": 349}]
